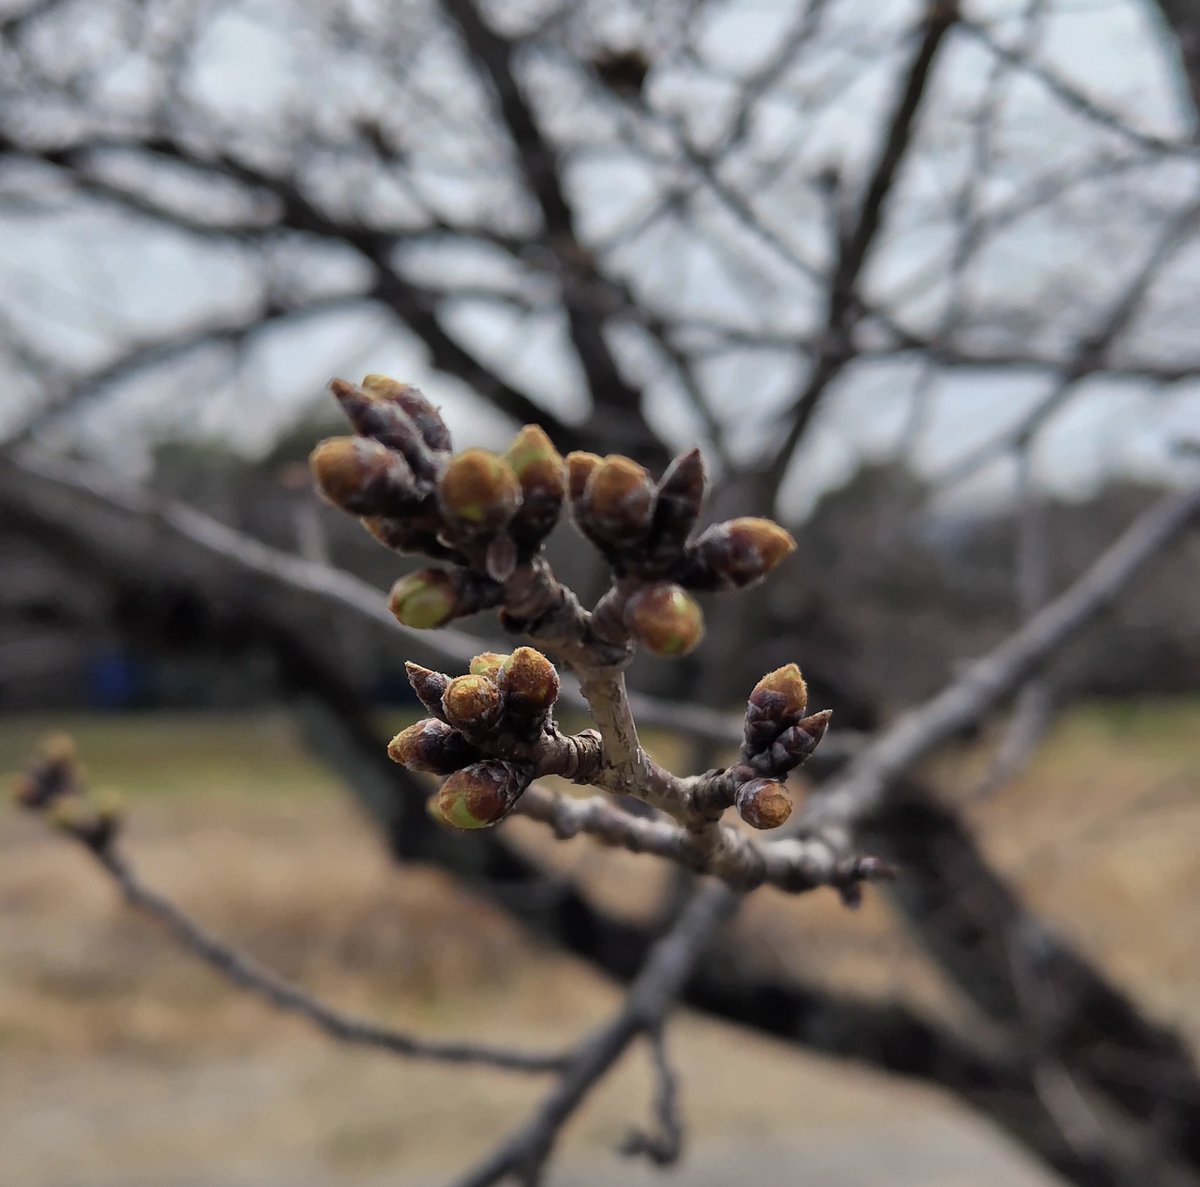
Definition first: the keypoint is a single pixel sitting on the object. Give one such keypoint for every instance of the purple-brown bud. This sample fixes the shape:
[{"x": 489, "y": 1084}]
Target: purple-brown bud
[
  {"x": 678, "y": 502},
  {"x": 795, "y": 745},
  {"x": 478, "y": 491},
  {"x": 776, "y": 702},
  {"x": 363, "y": 477},
  {"x": 763, "y": 803},
  {"x": 736, "y": 554},
  {"x": 665, "y": 620},
  {"x": 430, "y": 686},
  {"x": 386, "y": 422},
  {"x": 409, "y": 536},
  {"x": 618, "y": 502},
  {"x": 472, "y": 702},
  {"x": 433, "y": 746},
  {"x": 482, "y": 794},
  {"x": 419, "y": 410},
  {"x": 529, "y": 683},
  {"x": 541, "y": 474}
]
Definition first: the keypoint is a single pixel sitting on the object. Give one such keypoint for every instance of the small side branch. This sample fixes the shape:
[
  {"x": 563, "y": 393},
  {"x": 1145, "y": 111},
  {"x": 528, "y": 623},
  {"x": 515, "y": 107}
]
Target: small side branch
[
  {"x": 247, "y": 974},
  {"x": 740, "y": 861},
  {"x": 647, "y": 1003}
]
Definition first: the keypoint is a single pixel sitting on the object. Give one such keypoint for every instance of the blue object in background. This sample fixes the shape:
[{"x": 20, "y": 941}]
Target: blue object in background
[{"x": 115, "y": 680}]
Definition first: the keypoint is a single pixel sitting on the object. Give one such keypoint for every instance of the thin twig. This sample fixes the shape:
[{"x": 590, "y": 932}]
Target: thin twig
[
  {"x": 247, "y": 974},
  {"x": 664, "y": 1146},
  {"x": 741, "y": 861},
  {"x": 650, "y": 996}
]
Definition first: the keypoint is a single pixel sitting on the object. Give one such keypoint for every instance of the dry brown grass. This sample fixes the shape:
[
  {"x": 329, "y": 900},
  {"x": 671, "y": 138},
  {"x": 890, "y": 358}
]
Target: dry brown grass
[{"x": 124, "y": 1062}]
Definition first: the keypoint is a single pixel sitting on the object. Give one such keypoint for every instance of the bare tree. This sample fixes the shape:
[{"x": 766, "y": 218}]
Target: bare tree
[{"x": 703, "y": 246}]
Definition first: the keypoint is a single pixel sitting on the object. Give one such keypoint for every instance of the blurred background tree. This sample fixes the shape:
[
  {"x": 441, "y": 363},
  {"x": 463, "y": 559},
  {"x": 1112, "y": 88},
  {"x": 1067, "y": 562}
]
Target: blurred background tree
[{"x": 917, "y": 278}]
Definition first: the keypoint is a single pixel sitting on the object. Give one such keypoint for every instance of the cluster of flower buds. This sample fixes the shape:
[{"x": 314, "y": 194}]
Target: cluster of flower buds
[
  {"x": 54, "y": 785},
  {"x": 480, "y": 735},
  {"x": 484, "y": 511},
  {"x": 644, "y": 530},
  {"x": 487, "y": 513},
  {"x": 777, "y": 738}
]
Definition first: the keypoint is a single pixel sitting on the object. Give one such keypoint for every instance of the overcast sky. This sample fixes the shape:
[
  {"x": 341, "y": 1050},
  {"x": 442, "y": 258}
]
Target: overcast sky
[{"x": 84, "y": 279}]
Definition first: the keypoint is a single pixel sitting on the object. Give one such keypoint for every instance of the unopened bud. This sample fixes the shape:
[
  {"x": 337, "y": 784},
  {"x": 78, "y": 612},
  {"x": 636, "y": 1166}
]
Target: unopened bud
[
  {"x": 383, "y": 421},
  {"x": 430, "y": 686},
  {"x": 409, "y": 536},
  {"x": 481, "y": 794},
  {"x": 678, "y": 502},
  {"x": 579, "y": 469},
  {"x": 419, "y": 410},
  {"x": 618, "y": 502},
  {"x": 433, "y": 746},
  {"x": 736, "y": 554},
  {"x": 478, "y": 491},
  {"x": 430, "y": 598},
  {"x": 472, "y": 702},
  {"x": 529, "y": 683},
  {"x": 54, "y": 774},
  {"x": 425, "y": 599},
  {"x": 487, "y": 664},
  {"x": 763, "y": 803},
  {"x": 539, "y": 469},
  {"x": 69, "y": 814},
  {"x": 109, "y": 805},
  {"x": 776, "y": 702},
  {"x": 665, "y": 620},
  {"x": 363, "y": 477},
  {"x": 795, "y": 745}
]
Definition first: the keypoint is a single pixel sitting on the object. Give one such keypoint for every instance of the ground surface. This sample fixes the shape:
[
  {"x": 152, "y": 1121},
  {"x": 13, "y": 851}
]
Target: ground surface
[{"x": 124, "y": 1065}]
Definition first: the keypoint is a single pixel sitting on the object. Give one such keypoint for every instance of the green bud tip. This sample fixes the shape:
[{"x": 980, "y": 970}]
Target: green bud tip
[
  {"x": 423, "y": 600},
  {"x": 665, "y": 619}
]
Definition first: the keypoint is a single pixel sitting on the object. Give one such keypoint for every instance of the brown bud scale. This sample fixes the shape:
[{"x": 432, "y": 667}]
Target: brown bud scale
[
  {"x": 478, "y": 491},
  {"x": 763, "y": 803},
  {"x": 481, "y": 794},
  {"x": 433, "y": 746},
  {"x": 472, "y": 702}
]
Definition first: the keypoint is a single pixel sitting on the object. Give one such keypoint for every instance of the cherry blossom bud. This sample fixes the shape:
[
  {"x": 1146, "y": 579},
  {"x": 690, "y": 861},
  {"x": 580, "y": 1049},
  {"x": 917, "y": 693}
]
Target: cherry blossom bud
[
  {"x": 665, "y": 620},
  {"x": 529, "y": 683},
  {"x": 763, "y": 803},
  {"x": 472, "y": 702},
  {"x": 735, "y": 554},
  {"x": 488, "y": 664},
  {"x": 478, "y": 491},
  {"x": 430, "y": 598},
  {"x": 776, "y": 702},
  {"x": 481, "y": 794},
  {"x": 579, "y": 469},
  {"x": 678, "y": 502},
  {"x": 618, "y": 502},
  {"x": 386, "y": 422},
  {"x": 795, "y": 745},
  {"x": 363, "y": 477},
  {"x": 419, "y": 410},
  {"x": 539, "y": 469},
  {"x": 430, "y": 686},
  {"x": 425, "y": 599},
  {"x": 54, "y": 774},
  {"x": 433, "y": 746},
  {"x": 409, "y": 536}
]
